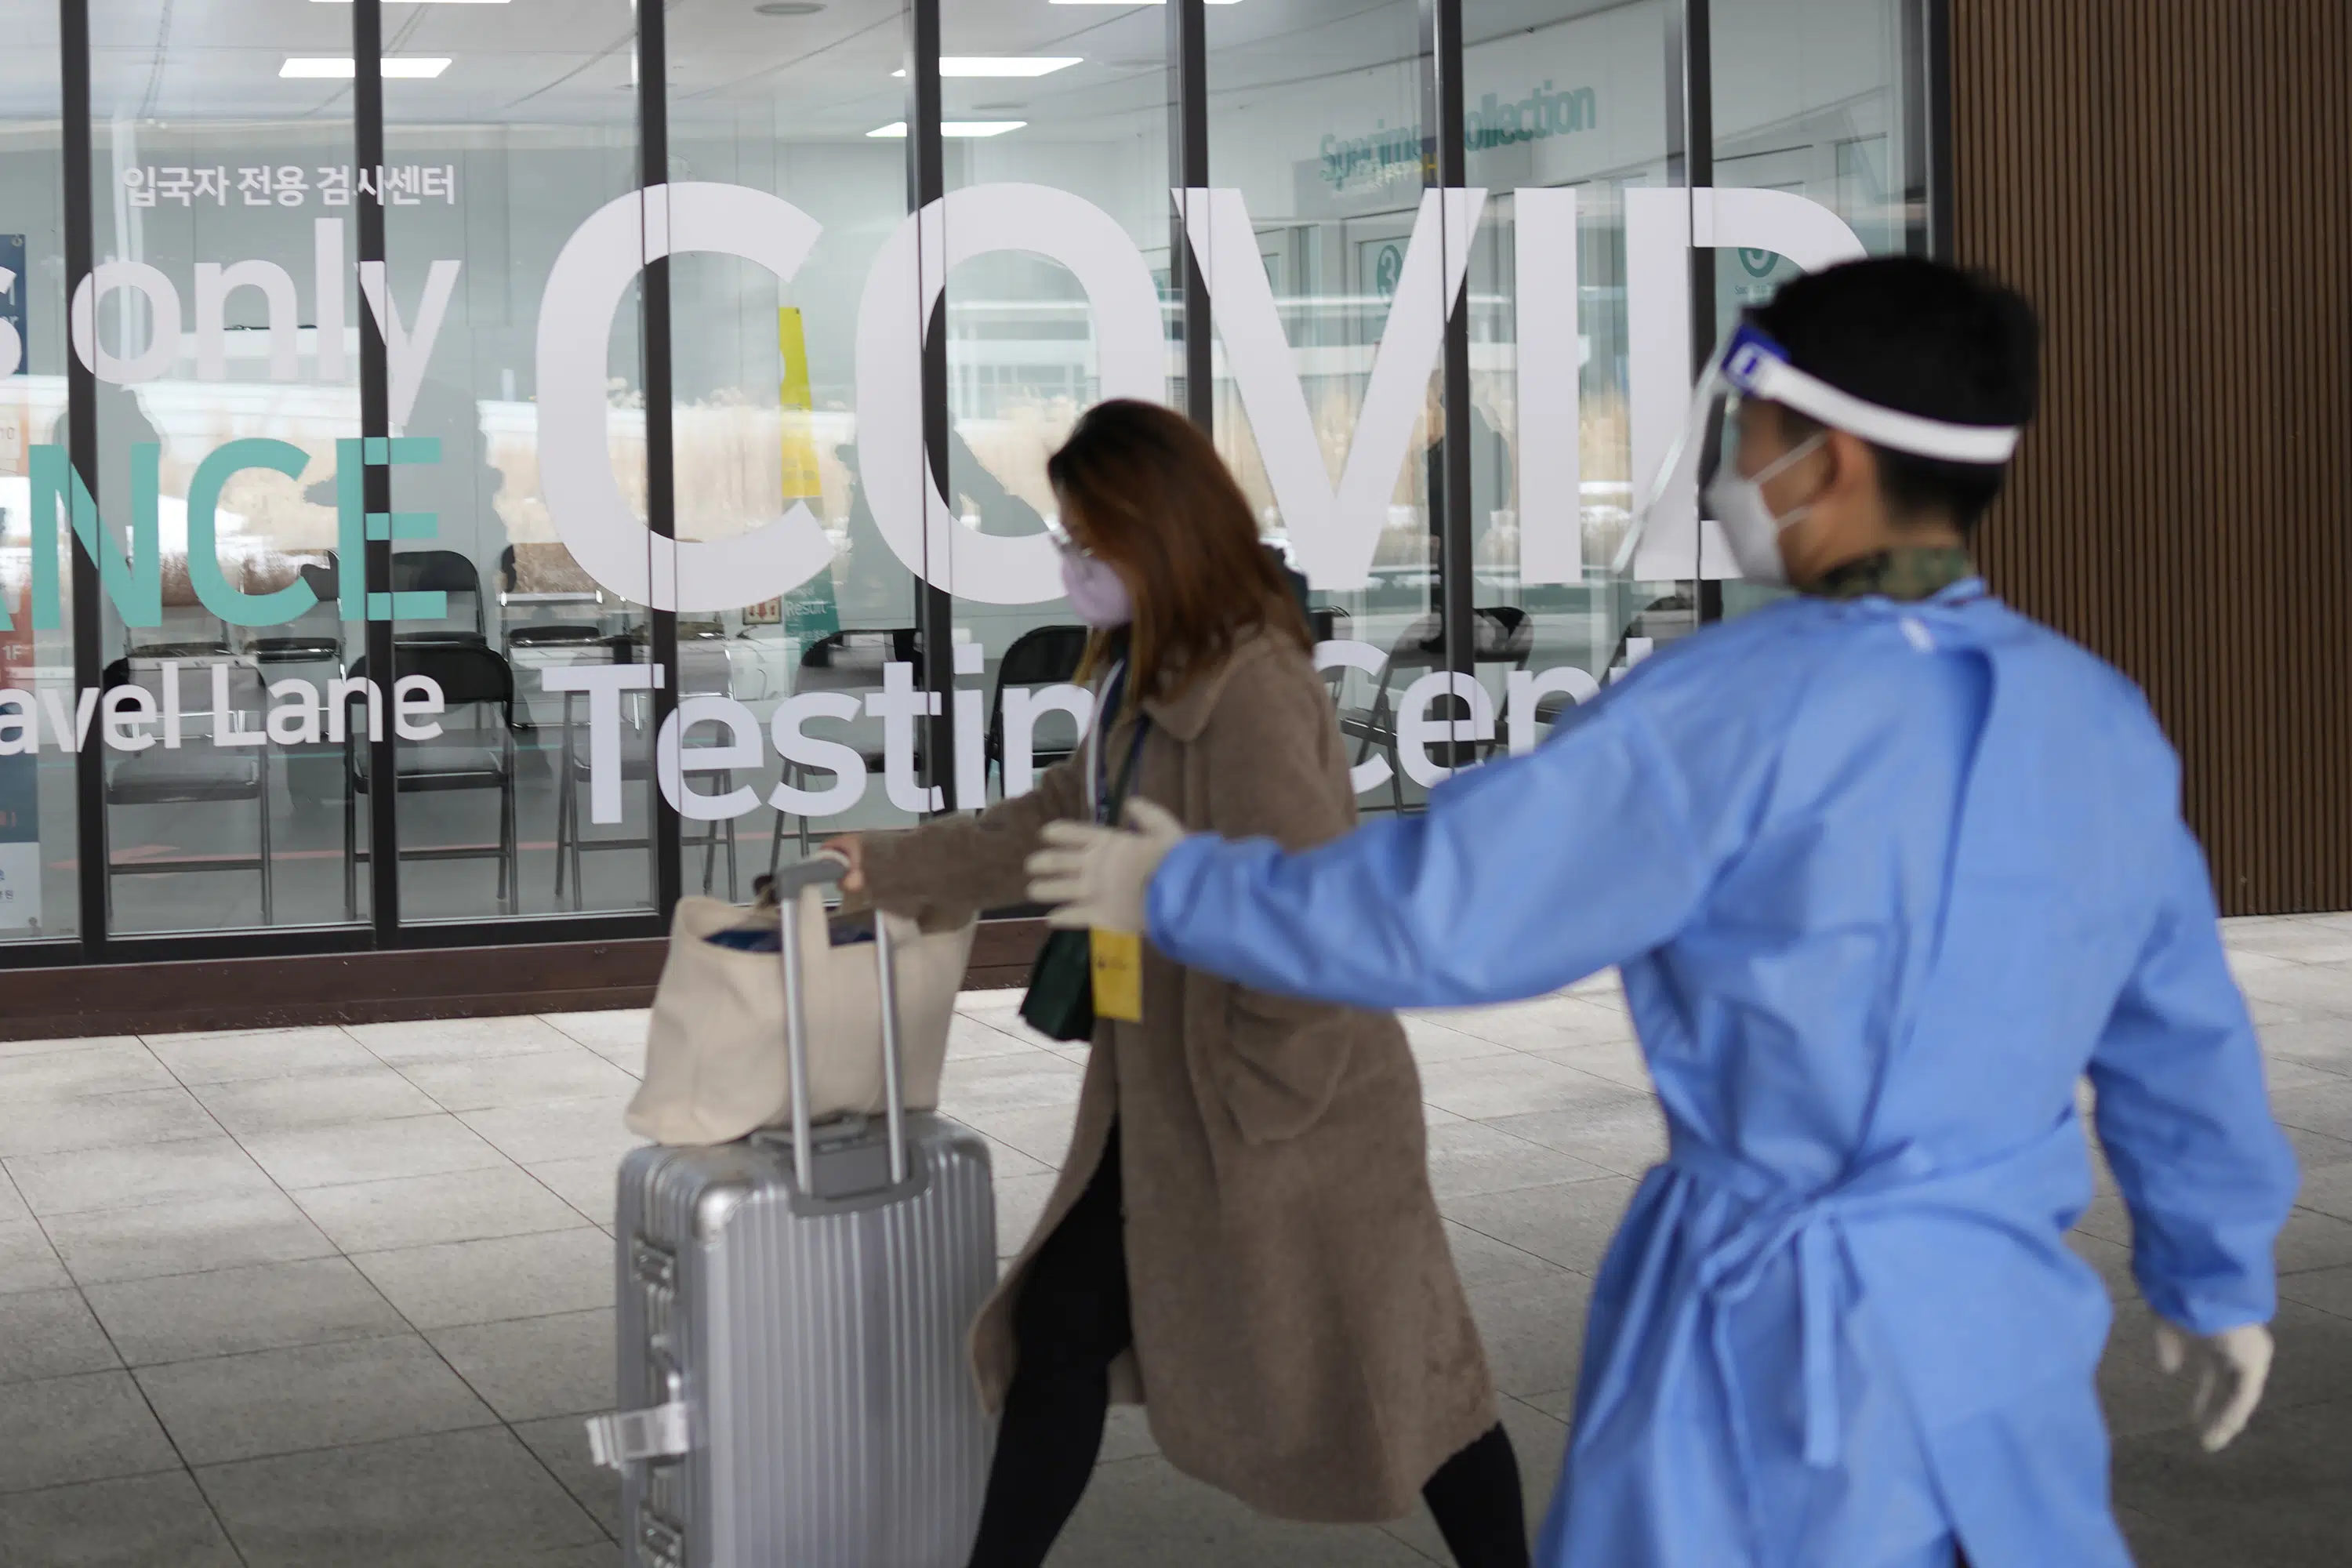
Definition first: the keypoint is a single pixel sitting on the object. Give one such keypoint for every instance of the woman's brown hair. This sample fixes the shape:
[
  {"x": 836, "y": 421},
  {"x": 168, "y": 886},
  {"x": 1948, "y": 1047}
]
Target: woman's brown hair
[{"x": 1143, "y": 489}]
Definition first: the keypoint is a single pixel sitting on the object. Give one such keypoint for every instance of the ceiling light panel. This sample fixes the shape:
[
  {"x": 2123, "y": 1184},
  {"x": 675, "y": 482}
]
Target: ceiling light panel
[
  {"x": 962, "y": 129},
  {"x": 316, "y": 68},
  {"x": 1001, "y": 65}
]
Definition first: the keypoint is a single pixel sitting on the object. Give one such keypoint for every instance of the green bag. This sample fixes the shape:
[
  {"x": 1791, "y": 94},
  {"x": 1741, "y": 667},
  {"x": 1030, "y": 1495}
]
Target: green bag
[
  {"x": 1060, "y": 1003},
  {"x": 1061, "y": 1000}
]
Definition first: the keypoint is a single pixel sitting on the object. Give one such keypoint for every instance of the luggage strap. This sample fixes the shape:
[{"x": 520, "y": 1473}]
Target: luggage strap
[{"x": 632, "y": 1436}]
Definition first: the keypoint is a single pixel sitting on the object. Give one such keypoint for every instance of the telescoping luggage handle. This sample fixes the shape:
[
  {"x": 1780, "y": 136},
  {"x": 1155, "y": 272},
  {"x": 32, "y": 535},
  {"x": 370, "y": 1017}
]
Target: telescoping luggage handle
[
  {"x": 826, "y": 871},
  {"x": 665, "y": 1431}
]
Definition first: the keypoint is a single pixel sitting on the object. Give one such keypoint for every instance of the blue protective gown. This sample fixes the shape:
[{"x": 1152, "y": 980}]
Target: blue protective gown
[{"x": 1884, "y": 882}]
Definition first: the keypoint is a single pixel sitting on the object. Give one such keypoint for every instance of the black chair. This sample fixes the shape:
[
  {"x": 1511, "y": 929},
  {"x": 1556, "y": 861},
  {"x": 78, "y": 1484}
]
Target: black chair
[
  {"x": 556, "y": 635},
  {"x": 315, "y": 638},
  {"x": 194, "y": 631},
  {"x": 199, "y": 770},
  {"x": 1504, "y": 635},
  {"x": 1660, "y": 621},
  {"x": 1043, "y": 656},
  {"x": 322, "y": 642},
  {"x": 866, "y": 652},
  {"x": 705, "y": 666},
  {"x": 478, "y": 757},
  {"x": 180, "y": 595},
  {"x": 445, "y": 572},
  {"x": 559, "y": 636},
  {"x": 204, "y": 648},
  {"x": 1330, "y": 626},
  {"x": 451, "y": 575},
  {"x": 847, "y": 661}
]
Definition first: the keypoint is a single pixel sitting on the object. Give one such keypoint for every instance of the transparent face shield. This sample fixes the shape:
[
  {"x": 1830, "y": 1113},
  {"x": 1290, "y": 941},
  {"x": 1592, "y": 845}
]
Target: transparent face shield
[
  {"x": 1748, "y": 364},
  {"x": 1691, "y": 461}
]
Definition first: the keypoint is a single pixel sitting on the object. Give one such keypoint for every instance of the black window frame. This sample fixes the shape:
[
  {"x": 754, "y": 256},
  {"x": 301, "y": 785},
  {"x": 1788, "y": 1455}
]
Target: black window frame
[{"x": 1925, "y": 86}]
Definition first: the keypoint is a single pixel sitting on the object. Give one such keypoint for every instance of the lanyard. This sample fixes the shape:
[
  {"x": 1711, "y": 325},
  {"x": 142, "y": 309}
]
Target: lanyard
[{"x": 1108, "y": 798}]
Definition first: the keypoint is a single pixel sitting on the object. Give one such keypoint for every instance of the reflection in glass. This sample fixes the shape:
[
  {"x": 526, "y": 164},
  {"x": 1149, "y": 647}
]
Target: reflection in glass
[
  {"x": 764, "y": 383},
  {"x": 1315, "y": 116},
  {"x": 1580, "y": 104},
  {"x": 1820, "y": 109},
  {"x": 226, "y": 357},
  {"x": 490, "y": 167},
  {"x": 38, "y": 896},
  {"x": 1024, "y": 343}
]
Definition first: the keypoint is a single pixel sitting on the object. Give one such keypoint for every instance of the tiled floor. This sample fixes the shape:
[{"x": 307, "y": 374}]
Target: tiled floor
[{"x": 327, "y": 1297}]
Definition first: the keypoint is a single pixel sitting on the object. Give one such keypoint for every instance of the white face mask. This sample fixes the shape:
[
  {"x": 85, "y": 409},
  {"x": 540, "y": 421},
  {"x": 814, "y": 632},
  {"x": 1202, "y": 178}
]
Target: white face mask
[
  {"x": 1097, "y": 593},
  {"x": 1749, "y": 525}
]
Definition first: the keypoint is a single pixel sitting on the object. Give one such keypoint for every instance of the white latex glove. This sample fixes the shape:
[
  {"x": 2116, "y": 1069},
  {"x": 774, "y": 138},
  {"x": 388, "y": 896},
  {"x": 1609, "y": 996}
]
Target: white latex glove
[
  {"x": 1097, "y": 877},
  {"x": 2230, "y": 1366}
]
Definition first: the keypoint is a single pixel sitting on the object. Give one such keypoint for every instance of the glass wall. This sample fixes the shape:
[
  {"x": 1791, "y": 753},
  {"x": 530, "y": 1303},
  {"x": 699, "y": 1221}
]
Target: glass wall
[
  {"x": 1824, "y": 107},
  {"x": 511, "y": 406},
  {"x": 222, "y": 203},
  {"x": 39, "y": 895},
  {"x": 1571, "y": 125},
  {"x": 493, "y": 164},
  {"x": 1319, "y": 128},
  {"x": 1071, "y": 102},
  {"x": 808, "y": 108}
]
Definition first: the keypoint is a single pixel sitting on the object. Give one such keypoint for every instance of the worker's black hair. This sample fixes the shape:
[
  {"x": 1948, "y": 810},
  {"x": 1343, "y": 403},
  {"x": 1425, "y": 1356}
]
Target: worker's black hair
[{"x": 1924, "y": 338}]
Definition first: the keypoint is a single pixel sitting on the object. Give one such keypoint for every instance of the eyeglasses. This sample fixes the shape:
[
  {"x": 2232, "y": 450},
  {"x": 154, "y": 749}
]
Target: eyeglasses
[{"x": 1063, "y": 543}]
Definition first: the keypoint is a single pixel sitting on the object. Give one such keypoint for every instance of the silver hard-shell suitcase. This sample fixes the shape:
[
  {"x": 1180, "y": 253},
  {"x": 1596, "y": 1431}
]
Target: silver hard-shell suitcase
[{"x": 793, "y": 1386}]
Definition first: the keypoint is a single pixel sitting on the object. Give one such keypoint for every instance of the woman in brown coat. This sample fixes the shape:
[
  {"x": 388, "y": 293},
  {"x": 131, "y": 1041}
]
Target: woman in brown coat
[{"x": 1243, "y": 1234}]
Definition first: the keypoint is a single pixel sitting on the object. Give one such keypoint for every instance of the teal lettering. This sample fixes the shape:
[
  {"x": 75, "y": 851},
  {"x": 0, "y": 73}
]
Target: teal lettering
[
  {"x": 1539, "y": 117},
  {"x": 1384, "y": 154},
  {"x": 351, "y": 531},
  {"x": 355, "y": 525},
  {"x": 223, "y": 598},
  {"x": 135, "y": 585}
]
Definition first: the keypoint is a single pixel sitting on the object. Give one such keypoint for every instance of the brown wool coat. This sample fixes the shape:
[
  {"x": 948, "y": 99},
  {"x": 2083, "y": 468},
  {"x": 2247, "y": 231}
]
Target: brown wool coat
[{"x": 1301, "y": 1338}]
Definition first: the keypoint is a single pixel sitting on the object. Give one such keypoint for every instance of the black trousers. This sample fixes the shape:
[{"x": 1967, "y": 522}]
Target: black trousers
[{"x": 1071, "y": 1323}]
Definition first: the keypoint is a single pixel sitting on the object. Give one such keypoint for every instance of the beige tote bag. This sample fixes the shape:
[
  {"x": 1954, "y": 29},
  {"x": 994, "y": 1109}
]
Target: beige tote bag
[{"x": 714, "y": 1067}]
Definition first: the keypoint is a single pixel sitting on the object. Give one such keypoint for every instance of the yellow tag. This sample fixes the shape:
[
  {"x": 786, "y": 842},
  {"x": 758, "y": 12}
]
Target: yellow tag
[{"x": 1119, "y": 975}]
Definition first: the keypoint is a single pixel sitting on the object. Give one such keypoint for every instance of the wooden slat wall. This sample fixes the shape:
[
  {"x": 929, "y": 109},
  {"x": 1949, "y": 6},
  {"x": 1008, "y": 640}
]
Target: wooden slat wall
[{"x": 2170, "y": 181}]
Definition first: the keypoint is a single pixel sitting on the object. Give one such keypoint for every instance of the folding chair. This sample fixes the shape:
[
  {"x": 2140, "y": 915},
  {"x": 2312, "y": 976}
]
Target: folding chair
[
  {"x": 1043, "y": 656},
  {"x": 198, "y": 770},
  {"x": 481, "y": 756},
  {"x": 1504, "y": 635}
]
